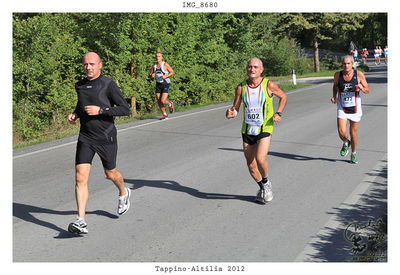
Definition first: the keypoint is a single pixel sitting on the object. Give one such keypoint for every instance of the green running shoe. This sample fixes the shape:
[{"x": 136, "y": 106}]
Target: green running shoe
[
  {"x": 345, "y": 150},
  {"x": 354, "y": 158}
]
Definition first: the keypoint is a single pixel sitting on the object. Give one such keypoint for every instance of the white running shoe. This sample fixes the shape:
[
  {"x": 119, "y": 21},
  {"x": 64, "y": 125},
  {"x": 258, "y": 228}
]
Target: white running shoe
[
  {"x": 265, "y": 195},
  {"x": 124, "y": 203},
  {"x": 79, "y": 226}
]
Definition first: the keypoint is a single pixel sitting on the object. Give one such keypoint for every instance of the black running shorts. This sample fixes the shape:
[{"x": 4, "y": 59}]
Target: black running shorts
[
  {"x": 251, "y": 140},
  {"x": 107, "y": 153},
  {"x": 162, "y": 88}
]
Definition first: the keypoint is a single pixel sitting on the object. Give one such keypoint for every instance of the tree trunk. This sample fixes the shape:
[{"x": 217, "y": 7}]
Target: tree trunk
[
  {"x": 316, "y": 55},
  {"x": 27, "y": 89},
  {"x": 28, "y": 84}
]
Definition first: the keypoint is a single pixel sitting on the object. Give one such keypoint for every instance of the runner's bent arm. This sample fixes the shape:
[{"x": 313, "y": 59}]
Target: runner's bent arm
[
  {"x": 275, "y": 90},
  {"x": 230, "y": 113},
  {"x": 121, "y": 107},
  {"x": 363, "y": 85},
  {"x": 74, "y": 116},
  {"x": 151, "y": 74},
  {"x": 116, "y": 98},
  {"x": 170, "y": 71},
  {"x": 335, "y": 87}
]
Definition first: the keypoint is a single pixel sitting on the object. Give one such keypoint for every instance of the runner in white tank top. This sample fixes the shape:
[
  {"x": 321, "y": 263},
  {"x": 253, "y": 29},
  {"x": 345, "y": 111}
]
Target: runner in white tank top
[
  {"x": 346, "y": 88},
  {"x": 162, "y": 72}
]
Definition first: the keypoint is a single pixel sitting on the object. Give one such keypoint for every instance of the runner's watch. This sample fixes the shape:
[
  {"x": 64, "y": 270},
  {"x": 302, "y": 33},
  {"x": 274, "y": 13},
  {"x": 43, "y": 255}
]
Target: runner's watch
[{"x": 279, "y": 114}]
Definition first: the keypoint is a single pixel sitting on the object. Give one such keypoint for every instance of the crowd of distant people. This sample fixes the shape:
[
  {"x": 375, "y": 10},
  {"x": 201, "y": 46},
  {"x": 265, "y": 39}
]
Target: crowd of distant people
[{"x": 377, "y": 54}]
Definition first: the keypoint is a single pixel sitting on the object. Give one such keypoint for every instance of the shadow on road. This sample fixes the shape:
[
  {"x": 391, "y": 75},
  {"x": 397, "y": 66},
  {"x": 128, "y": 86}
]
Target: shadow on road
[
  {"x": 375, "y": 80},
  {"x": 290, "y": 156},
  {"x": 377, "y": 74},
  {"x": 24, "y": 212},
  {"x": 363, "y": 234},
  {"x": 174, "y": 186},
  {"x": 374, "y": 105}
]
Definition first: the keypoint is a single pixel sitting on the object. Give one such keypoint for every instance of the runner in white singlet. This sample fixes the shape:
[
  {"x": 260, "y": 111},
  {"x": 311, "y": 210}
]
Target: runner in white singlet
[
  {"x": 347, "y": 86},
  {"x": 386, "y": 53},
  {"x": 377, "y": 55},
  {"x": 162, "y": 72}
]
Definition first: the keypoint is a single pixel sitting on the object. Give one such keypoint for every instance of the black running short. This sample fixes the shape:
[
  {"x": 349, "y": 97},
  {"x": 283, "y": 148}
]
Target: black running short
[
  {"x": 162, "y": 88},
  {"x": 107, "y": 153},
  {"x": 251, "y": 140}
]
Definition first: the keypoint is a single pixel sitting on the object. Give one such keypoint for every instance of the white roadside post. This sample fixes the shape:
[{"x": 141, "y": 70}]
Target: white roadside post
[{"x": 294, "y": 77}]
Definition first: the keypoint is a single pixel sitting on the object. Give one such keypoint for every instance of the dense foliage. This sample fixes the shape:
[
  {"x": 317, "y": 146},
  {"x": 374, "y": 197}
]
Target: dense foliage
[{"x": 207, "y": 51}]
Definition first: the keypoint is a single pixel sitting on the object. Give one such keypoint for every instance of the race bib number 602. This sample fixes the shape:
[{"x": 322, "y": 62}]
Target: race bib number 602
[{"x": 254, "y": 116}]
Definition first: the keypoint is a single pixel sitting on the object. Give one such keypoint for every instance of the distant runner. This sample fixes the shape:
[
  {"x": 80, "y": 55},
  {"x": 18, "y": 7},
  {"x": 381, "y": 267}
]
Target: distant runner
[
  {"x": 365, "y": 55},
  {"x": 162, "y": 71},
  {"x": 256, "y": 93},
  {"x": 386, "y": 53},
  {"x": 355, "y": 54},
  {"x": 377, "y": 55},
  {"x": 346, "y": 94}
]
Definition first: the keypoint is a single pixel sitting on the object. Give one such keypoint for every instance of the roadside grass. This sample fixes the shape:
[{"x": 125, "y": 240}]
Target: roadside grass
[{"x": 287, "y": 86}]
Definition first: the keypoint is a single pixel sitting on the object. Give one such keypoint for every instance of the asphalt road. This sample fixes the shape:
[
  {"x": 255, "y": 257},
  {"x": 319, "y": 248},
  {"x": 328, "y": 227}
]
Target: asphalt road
[{"x": 193, "y": 196}]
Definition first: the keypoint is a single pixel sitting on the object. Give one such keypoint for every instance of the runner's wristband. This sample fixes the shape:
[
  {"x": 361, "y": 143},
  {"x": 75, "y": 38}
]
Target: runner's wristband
[{"x": 103, "y": 111}]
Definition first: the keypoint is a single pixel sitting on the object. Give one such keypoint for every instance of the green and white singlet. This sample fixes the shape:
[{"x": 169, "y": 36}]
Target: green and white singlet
[{"x": 257, "y": 108}]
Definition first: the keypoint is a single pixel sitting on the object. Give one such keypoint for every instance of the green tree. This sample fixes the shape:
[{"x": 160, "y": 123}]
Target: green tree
[
  {"x": 373, "y": 33},
  {"x": 45, "y": 52},
  {"x": 319, "y": 27},
  {"x": 208, "y": 52}
]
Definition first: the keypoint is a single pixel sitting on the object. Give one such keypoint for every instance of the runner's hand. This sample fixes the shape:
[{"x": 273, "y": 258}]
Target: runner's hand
[
  {"x": 92, "y": 110},
  {"x": 360, "y": 87},
  {"x": 231, "y": 113},
  {"x": 333, "y": 100},
  {"x": 72, "y": 118},
  {"x": 277, "y": 118}
]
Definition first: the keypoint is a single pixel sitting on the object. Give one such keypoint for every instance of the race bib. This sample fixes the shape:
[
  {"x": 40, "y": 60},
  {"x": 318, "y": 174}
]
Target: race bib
[
  {"x": 159, "y": 77},
  {"x": 348, "y": 100},
  {"x": 254, "y": 116}
]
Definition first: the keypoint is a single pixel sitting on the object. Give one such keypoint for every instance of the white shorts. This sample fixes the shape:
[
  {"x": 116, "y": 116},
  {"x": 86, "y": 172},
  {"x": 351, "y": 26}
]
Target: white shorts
[{"x": 353, "y": 117}]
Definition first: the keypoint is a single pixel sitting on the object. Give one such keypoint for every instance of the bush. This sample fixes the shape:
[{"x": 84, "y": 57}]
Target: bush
[
  {"x": 282, "y": 58},
  {"x": 330, "y": 63},
  {"x": 363, "y": 68}
]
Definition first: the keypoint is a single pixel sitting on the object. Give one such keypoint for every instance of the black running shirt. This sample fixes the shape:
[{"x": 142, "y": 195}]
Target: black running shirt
[
  {"x": 350, "y": 90},
  {"x": 103, "y": 92}
]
